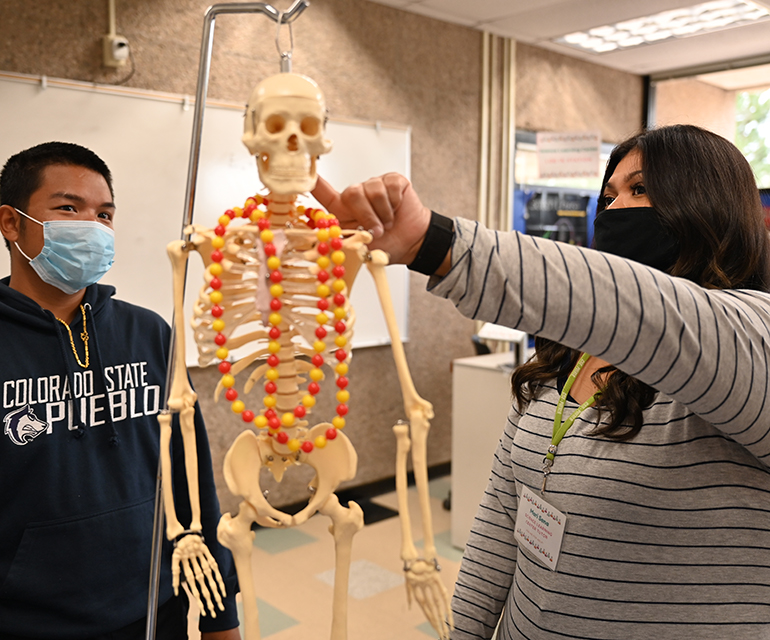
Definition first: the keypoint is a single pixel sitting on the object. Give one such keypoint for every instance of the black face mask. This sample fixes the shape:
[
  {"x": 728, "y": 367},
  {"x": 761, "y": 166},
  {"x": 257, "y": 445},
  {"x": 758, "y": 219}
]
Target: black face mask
[{"x": 636, "y": 233}]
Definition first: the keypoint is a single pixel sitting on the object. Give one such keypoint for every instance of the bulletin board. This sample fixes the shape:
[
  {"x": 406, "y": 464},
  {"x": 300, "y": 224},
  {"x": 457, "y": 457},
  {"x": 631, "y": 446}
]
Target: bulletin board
[{"x": 144, "y": 137}]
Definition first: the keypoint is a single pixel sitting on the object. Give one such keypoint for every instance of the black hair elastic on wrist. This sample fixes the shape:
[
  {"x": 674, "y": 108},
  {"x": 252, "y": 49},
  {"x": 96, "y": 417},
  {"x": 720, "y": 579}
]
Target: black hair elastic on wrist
[{"x": 437, "y": 243}]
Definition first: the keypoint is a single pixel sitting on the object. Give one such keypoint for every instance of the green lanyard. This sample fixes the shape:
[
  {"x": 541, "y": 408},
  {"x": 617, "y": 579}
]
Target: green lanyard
[{"x": 559, "y": 427}]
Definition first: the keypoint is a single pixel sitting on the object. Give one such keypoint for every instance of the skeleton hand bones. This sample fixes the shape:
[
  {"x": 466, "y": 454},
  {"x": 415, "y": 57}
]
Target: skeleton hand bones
[
  {"x": 193, "y": 558},
  {"x": 424, "y": 584}
]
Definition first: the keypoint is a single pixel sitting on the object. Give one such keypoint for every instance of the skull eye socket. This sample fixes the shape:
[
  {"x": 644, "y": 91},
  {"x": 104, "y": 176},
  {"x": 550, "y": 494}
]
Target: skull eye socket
[
  {"x": 310, "y": 126},
  {"x": 275, "y": 123}
]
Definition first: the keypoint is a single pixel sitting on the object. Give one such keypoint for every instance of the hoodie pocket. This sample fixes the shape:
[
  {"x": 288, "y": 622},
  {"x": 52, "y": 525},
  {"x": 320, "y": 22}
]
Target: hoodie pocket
[{"x": 86, "y": 576}]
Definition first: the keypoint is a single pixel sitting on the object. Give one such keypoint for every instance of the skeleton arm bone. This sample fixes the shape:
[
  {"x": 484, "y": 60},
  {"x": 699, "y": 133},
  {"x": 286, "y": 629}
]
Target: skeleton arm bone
[
  {"x": 403, "y": 444},
  {"x": 181, "y": 395},
  {"x": 173, "y": 526},
  {"x": 421, "y": 574},
  {"x": 191, "y": 556},
  {"x": 422, "y": 578},
  {"x": 418, "y": 410}
]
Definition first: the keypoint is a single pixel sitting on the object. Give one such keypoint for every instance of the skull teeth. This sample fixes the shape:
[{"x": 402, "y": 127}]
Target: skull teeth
[{"x": 287, "y": 172}]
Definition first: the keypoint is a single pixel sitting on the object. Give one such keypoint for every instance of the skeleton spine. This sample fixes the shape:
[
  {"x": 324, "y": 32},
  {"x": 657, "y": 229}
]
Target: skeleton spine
[{"x": 288, "y": 394}]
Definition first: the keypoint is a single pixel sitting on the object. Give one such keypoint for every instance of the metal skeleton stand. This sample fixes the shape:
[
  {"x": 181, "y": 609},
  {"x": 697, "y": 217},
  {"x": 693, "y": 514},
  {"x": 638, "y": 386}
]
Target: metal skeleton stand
[{"x": 279, "y": 17}]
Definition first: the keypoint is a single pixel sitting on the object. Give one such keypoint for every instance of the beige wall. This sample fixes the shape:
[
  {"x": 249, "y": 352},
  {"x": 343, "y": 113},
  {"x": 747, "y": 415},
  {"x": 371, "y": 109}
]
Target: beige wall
[
  {"x": 690, "y": 101},
  {"x": 558, "y": 93},
  {"x": 374, "y": 63}
]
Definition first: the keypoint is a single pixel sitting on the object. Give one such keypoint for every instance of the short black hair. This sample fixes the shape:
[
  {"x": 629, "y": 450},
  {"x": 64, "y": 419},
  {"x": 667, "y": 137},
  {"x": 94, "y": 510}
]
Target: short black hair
[{"x": 23, "y": 173}]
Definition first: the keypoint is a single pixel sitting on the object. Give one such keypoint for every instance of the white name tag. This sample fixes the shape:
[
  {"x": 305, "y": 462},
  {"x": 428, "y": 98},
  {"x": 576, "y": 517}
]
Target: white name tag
[{"x": 539, "y": 528}]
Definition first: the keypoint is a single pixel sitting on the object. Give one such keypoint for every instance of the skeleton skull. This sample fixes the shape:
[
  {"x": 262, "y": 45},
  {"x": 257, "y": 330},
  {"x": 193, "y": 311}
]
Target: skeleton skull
[{"x": 284, "y": 129}]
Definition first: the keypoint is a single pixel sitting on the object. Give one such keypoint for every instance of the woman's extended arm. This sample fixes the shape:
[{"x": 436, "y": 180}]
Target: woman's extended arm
[{"x": 708, "y": 349}]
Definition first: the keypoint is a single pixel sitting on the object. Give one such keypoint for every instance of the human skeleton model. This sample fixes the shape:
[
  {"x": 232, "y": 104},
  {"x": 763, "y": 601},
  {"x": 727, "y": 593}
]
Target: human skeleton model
[{"x": 283, "y": 279}]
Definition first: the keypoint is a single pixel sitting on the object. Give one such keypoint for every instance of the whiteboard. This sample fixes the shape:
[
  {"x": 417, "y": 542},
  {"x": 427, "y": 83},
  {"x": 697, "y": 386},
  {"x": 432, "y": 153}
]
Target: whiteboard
[{"x": 144, "y": 137}]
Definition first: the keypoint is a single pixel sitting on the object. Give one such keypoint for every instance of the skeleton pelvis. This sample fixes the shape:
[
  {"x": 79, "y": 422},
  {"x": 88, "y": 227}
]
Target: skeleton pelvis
[{"x": 333, "y": 464}]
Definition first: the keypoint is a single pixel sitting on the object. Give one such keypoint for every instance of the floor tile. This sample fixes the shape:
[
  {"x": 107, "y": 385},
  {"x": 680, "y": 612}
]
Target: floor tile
[
  {"x": 366, "y": 579},
  {"x": 439, "y": 487},
  {"x": 427, "y": 629},
  {"x": 280, "y": 540},
  {"x": 271, "y": 620}
]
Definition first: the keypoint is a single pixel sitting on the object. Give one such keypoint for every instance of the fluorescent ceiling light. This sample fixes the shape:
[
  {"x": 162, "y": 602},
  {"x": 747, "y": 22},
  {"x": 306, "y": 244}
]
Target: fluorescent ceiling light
[{"x": 678, "y": 23}]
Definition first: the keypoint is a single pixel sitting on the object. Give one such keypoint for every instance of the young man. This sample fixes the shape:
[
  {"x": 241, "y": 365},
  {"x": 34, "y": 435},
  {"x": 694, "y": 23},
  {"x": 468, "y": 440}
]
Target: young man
[{"x": 82, "y": 379}]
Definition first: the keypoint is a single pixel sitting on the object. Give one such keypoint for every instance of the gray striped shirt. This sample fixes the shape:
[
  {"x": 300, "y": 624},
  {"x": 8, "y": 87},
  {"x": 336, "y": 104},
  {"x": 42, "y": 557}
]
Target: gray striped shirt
[{"x": 668, "y": 535}]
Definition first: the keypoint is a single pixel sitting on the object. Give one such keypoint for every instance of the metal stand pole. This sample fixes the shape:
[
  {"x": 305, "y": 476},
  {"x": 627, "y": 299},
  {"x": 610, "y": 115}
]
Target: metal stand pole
[{"x": 192, "y": 174}]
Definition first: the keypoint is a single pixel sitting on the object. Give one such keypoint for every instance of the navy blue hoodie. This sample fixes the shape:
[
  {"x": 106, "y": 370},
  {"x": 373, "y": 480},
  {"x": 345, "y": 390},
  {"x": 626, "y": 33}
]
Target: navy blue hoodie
[{"x": 78, "y": 461}]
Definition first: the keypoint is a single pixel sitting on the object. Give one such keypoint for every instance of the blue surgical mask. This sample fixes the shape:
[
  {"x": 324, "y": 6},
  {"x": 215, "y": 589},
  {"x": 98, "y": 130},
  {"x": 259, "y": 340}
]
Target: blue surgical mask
[{"x": 75, "y": 254}]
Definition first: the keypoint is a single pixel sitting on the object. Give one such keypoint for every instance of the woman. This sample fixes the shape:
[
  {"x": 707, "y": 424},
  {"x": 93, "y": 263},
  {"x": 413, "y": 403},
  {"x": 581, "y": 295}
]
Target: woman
[{"x": 630, "y": 495}]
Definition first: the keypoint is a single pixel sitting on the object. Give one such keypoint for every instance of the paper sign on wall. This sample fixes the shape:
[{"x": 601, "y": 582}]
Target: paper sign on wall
[{"x": 568, "y": 155}]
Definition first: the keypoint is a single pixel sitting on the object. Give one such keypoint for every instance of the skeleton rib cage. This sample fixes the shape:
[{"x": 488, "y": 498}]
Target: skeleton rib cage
[{"x": 246, "y": 306}]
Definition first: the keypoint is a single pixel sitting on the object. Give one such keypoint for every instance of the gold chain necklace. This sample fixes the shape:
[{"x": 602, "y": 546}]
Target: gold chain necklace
[{"x": 83, "y": 337}]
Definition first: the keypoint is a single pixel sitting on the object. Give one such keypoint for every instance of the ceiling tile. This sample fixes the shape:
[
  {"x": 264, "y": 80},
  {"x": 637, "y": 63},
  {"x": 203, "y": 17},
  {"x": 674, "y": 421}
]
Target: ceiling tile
[
  {"x": 548, "y": 22},
  {"x": 485, "y": 10},
  {"x": 400, "y": 4},
  {"x": 538, "y": 21},
  {"x": 440, "y": 14},
  {"x": 682, "y": 53},
  {"x": 739, "y": 79}
]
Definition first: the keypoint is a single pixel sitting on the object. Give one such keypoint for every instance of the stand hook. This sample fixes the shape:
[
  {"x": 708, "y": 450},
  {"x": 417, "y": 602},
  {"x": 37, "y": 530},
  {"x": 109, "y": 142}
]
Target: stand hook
[{"x": 285, "y": 55}]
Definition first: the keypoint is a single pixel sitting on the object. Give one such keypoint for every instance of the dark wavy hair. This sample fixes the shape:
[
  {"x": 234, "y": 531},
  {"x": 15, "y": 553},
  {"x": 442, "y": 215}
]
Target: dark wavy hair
[{"x": 705, "y": 192}]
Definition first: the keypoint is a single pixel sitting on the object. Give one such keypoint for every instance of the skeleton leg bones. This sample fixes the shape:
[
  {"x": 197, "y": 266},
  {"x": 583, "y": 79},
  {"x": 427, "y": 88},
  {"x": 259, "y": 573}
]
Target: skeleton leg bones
[
  {"x": 345, "y": 524},
  {"x": 236, "y": 534}
]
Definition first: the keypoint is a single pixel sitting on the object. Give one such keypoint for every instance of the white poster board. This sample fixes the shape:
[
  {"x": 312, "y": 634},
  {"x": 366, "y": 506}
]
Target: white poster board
[
  {"x": 144, "y": 137},
  {"x": 568, "y": 155}
]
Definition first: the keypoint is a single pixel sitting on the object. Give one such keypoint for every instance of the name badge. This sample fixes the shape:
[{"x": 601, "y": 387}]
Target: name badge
[{"x": 539, "y": 528}]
